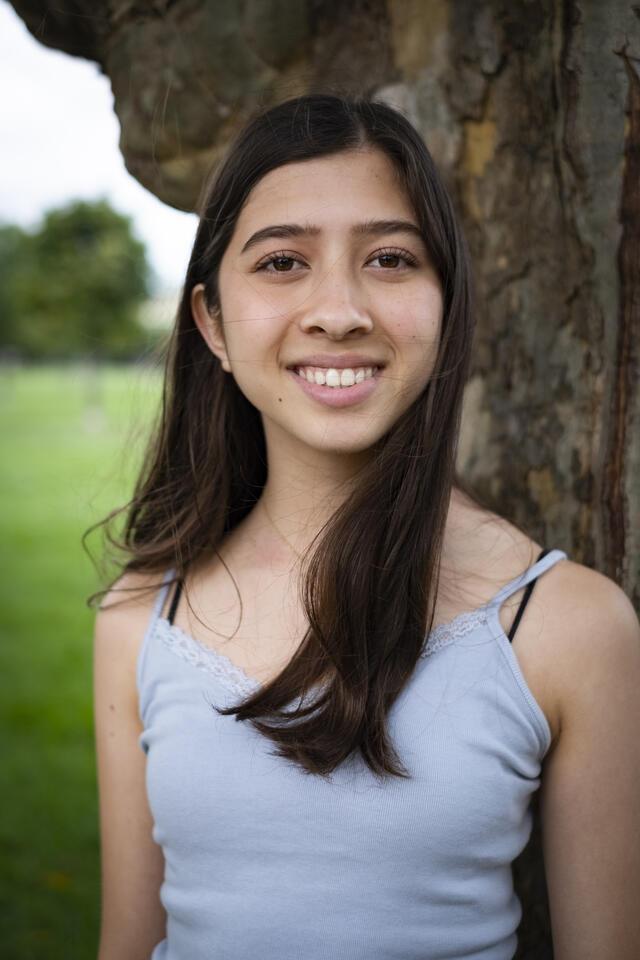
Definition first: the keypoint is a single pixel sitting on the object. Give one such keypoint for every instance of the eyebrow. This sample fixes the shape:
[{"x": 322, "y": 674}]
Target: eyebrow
[{"x": 366, "y": 229}]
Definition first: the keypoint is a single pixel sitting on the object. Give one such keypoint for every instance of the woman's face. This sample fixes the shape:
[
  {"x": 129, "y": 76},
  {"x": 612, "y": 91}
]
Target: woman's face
[{"x": 321, "y": 284}]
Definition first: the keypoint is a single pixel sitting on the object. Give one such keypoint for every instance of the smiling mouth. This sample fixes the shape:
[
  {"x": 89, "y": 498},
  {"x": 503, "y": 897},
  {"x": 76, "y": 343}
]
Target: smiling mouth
[{"x": 343, "y": 377}]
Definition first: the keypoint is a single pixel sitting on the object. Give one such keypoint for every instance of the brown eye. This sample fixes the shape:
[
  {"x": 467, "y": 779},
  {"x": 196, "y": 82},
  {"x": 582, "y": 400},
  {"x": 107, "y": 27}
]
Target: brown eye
[
  {"x": 280, "y": 263},
  {"x": 391, "y": 258}
]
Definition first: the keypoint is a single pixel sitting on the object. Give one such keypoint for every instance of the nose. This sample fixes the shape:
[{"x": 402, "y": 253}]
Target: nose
[{"x": 335, "y": 310}]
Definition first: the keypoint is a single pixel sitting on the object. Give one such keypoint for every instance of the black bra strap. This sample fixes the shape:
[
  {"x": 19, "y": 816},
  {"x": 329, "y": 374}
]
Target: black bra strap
[
  {"x": 524, "y": 601},
  {"x": 175, "y": 601}
]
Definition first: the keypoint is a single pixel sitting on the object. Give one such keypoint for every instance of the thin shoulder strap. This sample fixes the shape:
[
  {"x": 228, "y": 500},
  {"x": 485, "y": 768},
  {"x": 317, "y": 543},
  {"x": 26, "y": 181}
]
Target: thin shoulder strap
[
  {"x": 546, "y": 560},
  {"x": 155, "y": 613},
  {"x": 175, "y": 601},
  {"x": 161, "y": 596},
  {"x": 524, "y": 601}
]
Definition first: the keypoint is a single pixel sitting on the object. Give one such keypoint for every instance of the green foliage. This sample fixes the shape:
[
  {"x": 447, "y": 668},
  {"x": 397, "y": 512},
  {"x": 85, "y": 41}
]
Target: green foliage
[
  {"x": 73, "y": 287},
  {"x": 12, "y": 251}
]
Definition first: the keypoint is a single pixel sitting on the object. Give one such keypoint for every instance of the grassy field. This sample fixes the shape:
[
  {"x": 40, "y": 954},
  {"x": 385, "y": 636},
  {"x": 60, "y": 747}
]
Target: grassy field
[{"x": 71, "y": 440}]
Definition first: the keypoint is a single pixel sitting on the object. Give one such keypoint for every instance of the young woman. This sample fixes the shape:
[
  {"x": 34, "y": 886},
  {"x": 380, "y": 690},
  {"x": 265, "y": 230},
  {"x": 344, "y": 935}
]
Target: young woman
[{"x": 321, "y": 714}]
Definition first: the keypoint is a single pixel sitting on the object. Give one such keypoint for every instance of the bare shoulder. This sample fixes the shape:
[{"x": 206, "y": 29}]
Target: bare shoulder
[
  {"x": 132, "y": 590},
  {"x": 590, "y": 598},
  {"x": 121, "y": 622},
  {"x": 578, "y": 623},
  {"x": 590, "y": 627},
  {"x": 131, "y": 597}
]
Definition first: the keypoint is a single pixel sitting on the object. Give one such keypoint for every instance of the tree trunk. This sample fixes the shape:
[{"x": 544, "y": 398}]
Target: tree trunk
[{"x": 532, "y": 112}]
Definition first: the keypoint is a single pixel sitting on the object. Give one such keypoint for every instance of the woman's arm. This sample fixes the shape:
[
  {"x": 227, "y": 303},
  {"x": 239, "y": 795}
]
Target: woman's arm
[
  {"x": 590, "y": 792},
  {"x": 132, "y": 917}
]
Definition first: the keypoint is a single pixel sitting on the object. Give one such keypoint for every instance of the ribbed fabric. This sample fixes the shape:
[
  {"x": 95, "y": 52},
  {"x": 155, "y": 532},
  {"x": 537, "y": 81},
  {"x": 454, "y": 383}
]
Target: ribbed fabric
[{"x": 263, "y": 860}]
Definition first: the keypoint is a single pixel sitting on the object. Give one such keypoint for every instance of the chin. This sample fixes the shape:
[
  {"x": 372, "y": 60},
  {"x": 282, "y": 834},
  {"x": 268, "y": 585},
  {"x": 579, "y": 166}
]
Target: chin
[{"x": 339, "y": 444}]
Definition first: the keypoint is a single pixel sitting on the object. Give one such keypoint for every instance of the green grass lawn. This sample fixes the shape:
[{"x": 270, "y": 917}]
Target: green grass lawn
[{"x": 71, "y": 440}]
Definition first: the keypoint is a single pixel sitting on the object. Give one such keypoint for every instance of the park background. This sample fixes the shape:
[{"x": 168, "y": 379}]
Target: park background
[
  {"x": 75, "y": 401},
  {"x": 532, "y": 113}
]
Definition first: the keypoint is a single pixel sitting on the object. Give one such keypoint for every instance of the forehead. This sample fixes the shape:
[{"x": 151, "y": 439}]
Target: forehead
[{"x": 331, "y": 191}]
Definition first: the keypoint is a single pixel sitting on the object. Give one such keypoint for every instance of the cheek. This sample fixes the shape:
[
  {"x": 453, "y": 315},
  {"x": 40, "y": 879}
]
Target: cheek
[
  {"x": 253, "y": 347},
  {"x": 253, "y": 330},
  {"x": 415, "y": 324},
  {"x": 252, "y": 321}
]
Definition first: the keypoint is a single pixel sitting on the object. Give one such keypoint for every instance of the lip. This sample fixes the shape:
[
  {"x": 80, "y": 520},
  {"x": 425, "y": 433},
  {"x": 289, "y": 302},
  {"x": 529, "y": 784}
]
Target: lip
[
  {"x": 339, "y": 362},
  {"x": 336, "y": 396}
]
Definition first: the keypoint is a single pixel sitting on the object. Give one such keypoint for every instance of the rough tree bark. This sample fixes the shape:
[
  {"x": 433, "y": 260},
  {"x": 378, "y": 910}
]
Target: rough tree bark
[{"x": 532, "y": 111}]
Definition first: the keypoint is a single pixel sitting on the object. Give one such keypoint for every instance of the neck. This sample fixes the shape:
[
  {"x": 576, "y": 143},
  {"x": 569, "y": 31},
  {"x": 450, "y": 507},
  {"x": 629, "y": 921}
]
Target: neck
[{"x": 305, "y": 487}]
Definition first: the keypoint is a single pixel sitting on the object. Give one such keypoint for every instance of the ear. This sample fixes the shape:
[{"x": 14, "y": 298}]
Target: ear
[{"x": 209, "y": 323}]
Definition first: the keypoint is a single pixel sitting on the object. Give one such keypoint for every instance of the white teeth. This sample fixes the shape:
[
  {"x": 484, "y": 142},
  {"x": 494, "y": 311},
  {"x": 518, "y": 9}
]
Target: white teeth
[{"x": 331, "y": 377}]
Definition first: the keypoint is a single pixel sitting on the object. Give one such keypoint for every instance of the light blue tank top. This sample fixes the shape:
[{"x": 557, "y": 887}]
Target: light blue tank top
[{"x": 266, "y": 861}]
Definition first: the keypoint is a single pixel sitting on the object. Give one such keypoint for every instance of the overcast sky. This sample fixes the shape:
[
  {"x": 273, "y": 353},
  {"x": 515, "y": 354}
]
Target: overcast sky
[{"x": 59, "y": 141}]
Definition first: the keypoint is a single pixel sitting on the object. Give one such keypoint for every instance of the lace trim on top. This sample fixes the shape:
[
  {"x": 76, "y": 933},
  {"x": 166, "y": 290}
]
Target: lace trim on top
[
  {"x": 241, "y": 684},
  {"x": 205, "y": 658}
]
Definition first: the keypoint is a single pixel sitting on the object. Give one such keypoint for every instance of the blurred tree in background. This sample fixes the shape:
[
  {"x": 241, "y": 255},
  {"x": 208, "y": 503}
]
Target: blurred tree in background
[
  {"x": 73, "y": 287},
  {"x": 12, "y": 250}
]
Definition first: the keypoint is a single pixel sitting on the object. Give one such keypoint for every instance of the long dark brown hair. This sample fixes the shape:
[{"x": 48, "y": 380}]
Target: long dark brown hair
[{"x": 371, "y": 580}]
